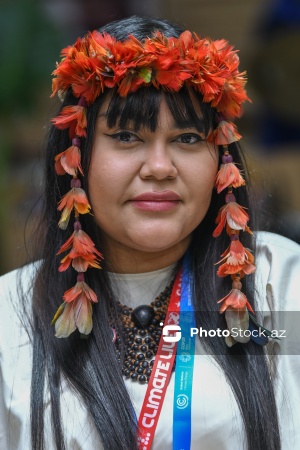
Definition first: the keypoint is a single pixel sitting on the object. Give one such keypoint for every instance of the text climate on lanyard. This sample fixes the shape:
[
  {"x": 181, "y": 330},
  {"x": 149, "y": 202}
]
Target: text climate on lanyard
[{"x": 160, "y": 375}]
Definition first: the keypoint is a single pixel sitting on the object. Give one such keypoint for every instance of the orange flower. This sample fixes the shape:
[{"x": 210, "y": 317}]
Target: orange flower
[
  {"x": 228, "y": 175},
  {"x": 224, "y": 134},
  {"x": 232, "y": 96},
  {"x": 74, "y": 118},
  {"x": 76, "y": 311},
  {"x": 70, "y": 316},
  {"x": 80, "y": 290},
  {"x": 83, "y": 253},
  {"x": 75, "y": 198},
  {"x": 99, "y": 60},
  {"x": 68, "y": 162},
  {"x": 233, "y": 215},
  {"x": 238, "y": 260},
  {"x": 235, "y": 299}
]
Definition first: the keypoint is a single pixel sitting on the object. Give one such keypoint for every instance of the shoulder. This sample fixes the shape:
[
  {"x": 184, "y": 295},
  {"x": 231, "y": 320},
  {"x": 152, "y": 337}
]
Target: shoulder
[
  {"x": 15, "y": 293},
  {"x": 15, "y": 355},
  {"x": 272, "y": 245},
  {"x": 17, "y": 283},
  {"x": 278, "y": 271}
]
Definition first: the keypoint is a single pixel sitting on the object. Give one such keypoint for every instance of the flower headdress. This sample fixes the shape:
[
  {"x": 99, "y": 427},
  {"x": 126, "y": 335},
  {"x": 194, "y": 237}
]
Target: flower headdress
[{"x": 97, "y": 62}]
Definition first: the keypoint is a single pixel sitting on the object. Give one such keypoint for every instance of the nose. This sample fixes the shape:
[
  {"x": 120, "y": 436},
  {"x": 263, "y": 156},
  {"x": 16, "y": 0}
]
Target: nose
[{"x": 158, "y": 163}]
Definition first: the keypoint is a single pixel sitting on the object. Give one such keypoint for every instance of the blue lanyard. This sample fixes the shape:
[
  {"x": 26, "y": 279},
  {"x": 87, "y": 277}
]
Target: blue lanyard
[{"x": 184, "y": 365}]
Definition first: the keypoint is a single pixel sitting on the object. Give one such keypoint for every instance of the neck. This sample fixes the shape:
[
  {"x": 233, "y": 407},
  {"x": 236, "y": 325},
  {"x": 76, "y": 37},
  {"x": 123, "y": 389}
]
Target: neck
[{"x": 120, "y": 259}]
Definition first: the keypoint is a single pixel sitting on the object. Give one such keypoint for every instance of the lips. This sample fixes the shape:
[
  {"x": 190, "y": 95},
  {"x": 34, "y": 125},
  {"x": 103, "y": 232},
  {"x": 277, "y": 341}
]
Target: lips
[
  {"x": 156, "y": 201},
  {"x": 164, "y": 196}
]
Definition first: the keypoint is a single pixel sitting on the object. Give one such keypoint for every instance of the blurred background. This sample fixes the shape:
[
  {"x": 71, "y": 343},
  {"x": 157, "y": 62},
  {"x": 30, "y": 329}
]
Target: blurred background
[{"x": 32, "y": 33}]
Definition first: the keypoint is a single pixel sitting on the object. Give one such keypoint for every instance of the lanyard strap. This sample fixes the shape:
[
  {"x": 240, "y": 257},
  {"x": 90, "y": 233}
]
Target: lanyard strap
[
  {"x": 160, "y": 376},
  {"x": 184, "y": 366}
]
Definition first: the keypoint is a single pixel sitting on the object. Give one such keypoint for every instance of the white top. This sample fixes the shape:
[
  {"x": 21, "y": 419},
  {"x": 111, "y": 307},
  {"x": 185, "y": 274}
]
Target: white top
[{"x": 216, "y": 420}]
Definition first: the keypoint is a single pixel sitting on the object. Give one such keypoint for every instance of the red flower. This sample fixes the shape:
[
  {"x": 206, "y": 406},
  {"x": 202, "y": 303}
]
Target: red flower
[
  {"x": 81, "y": 289},
  {"x": 235, "y": 299},
  {"x": 224, "y": 134},
  {"x": 69, "y": 162},
  {"x": 75, "y": 198},
  {"x": 83, "y": 253},
  {"x": 228, "y": 175},
  {"x": 99, "y": 60},
  {"x": 74, "y": 118},
  {"x": 237, "y": 260},
  {"x": 233, "y": 215}
]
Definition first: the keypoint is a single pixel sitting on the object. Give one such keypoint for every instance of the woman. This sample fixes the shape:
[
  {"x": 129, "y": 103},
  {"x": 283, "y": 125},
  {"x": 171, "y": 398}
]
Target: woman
[{"x": 144, "y": 125}]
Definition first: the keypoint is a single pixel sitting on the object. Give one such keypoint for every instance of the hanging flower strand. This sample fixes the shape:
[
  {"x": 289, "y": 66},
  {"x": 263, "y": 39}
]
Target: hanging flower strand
[
  {"x": 236, "y": 261},
  {"x": 76, "y": 311}
]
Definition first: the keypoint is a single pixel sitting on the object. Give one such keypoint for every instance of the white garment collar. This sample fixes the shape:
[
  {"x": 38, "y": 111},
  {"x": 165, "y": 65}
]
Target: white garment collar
[{"x": 133, "y": 289}]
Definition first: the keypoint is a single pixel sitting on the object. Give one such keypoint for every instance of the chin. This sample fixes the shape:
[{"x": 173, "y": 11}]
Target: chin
[{"x": 158, "y": 242}]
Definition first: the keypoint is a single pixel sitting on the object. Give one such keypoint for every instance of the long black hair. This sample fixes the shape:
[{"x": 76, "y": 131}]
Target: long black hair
[{"x": 90, "y": 366}]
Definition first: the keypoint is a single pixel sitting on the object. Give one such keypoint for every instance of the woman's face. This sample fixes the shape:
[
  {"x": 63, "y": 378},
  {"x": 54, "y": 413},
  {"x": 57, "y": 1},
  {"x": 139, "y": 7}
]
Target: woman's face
[{"x": 149, "y": 190}]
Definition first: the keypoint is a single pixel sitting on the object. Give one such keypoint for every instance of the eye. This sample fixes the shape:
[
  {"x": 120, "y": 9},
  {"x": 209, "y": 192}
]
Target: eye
[
  {"x": 189, "y": 138},
  {"x": 124, "y": 136}
]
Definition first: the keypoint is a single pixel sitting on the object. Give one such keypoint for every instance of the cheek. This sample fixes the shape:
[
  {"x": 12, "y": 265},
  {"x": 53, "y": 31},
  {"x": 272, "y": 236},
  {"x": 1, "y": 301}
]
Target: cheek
[{"x": 203, "y": 175}]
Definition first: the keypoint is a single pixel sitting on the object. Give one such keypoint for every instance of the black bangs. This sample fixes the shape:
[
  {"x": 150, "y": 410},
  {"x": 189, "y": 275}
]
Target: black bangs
[{"x": 141, "y": 109}]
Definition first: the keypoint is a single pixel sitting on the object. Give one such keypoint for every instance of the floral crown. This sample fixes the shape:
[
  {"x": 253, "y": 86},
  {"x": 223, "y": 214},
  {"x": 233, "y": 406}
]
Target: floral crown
[{"x": 97, "y": 62}]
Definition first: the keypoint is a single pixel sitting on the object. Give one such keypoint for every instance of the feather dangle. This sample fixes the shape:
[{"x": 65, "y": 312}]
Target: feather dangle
[
  {"x": 76, "y": 310},
  {"x": 236, "y": 261}
]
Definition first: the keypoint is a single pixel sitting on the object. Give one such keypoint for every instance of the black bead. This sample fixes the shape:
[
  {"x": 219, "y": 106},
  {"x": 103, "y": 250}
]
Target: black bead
[
  {"x": 138, "y": 340},
  {"x": 134, "y": 376},
  {"x": 135, "y": 347},
  {"x": 148, "y": 372},
  {"x": 151, "y": 346},
  {"x": 141, "y": 356},
  {"x": 142, "y": 316},
  {"x": 142, "y": 332},
  {"x": 127, "y": 373},
  {"x": 154, "y": 322},
  {"x": 136, "y": 363},
  {"x": 147, "y": 340},
  {"x": 145, "y": 364},
  {"x": 149, "y": 354},
  {"x": 140, "y": 370},
  {"x": 144, "y": 348},
  {"x": 142, "y": 378}
]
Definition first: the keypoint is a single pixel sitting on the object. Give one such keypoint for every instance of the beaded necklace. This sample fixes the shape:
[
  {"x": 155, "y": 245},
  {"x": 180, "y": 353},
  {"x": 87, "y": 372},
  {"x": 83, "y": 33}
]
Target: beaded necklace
[{"x": 141, "y": 331}]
